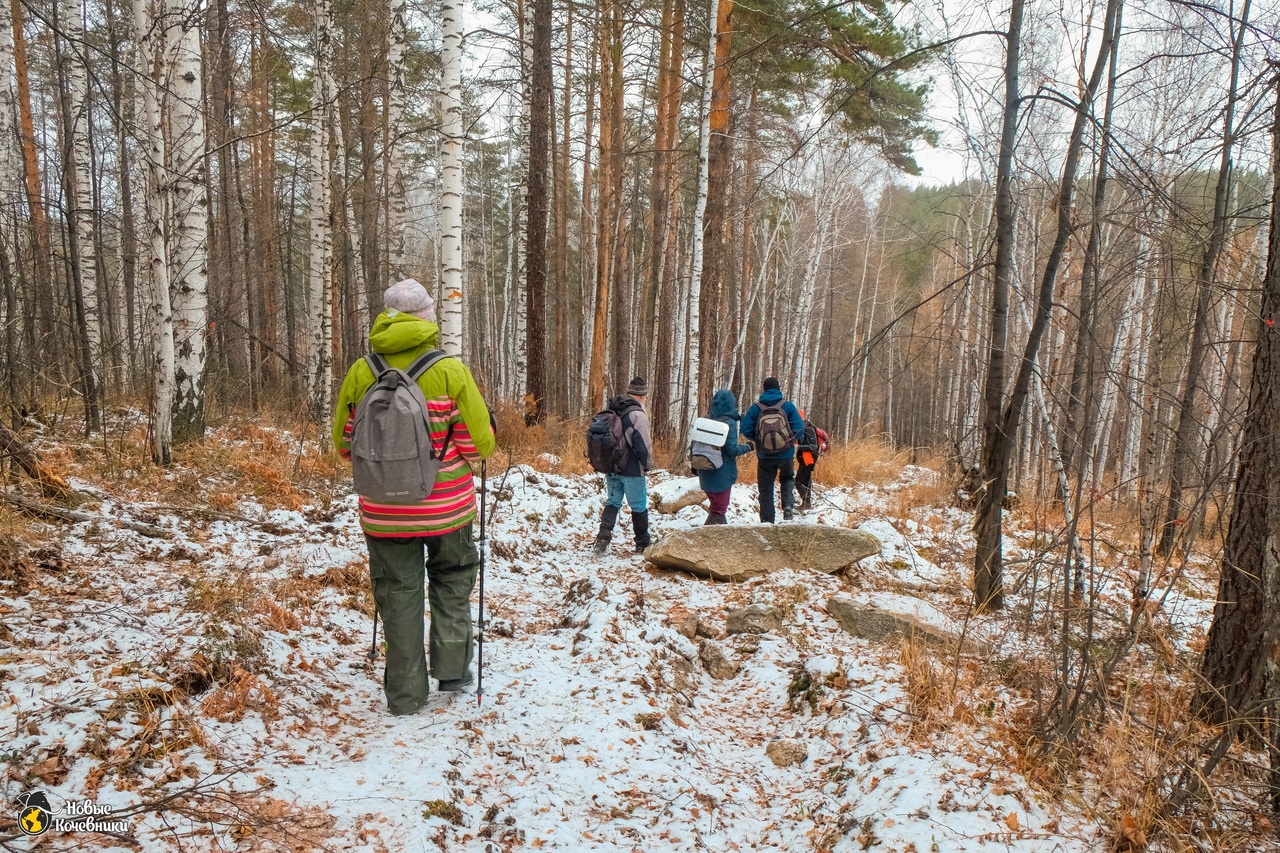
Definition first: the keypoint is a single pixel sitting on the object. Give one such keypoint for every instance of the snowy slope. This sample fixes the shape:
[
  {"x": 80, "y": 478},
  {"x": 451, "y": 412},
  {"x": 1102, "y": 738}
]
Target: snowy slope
[{"x": 227, "y": 669}]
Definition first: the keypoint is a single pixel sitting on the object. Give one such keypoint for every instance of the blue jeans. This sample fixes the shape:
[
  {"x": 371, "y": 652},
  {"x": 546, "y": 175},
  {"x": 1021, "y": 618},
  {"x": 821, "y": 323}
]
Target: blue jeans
[{"x": 634, "y": 489}]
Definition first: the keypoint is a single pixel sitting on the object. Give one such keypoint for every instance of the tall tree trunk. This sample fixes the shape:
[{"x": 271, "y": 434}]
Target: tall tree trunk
[
  {"x": 128, "y": 239},
  {"x": 152, "y": 78},
  {"x": 397, "y": 40},
  {"x": 1182, "y": 455},
  {"x": 562, "y": 188},
  {"x": 587, "y": 229},
  {"x": 320, "y": 268},
  {"x": 693, "y": 334},
  {"x": 662, "y": 203},
  {"x": 605, "y": 211},
  {"x": 43, "y": 321},
  {"x": 1001, "y": 428},
  {"x": 73, "y": 83},
  {"x": 1078, "y": 431},
  {"x": 1246, "y": 617},
  {"x": 619, "y": 286},
  {"x": 451, "y": 302},
  {"x": 536, "y": 226},
  {"x": 10, "y": 181},
  {"x": 714, "y": 256},
  {"x": 190, "y": 211}
]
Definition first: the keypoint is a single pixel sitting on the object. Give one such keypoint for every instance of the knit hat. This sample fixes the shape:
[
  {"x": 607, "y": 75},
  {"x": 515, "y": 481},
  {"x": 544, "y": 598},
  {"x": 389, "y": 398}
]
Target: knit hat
[
  {"x": 772, "y": 384},
  {"x": 638, "y": 387},
  {"x": 410, "y": 297}
]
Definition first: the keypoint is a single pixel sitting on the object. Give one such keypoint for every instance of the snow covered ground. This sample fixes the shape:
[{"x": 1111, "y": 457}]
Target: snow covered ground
[{"x": 223, "y": 674}]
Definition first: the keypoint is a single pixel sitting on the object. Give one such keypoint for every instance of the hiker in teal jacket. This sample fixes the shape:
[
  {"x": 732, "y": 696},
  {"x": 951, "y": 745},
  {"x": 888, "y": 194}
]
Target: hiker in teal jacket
[
  {"x": 718, "y": 483},
  {"x": 780, "y": 464}
]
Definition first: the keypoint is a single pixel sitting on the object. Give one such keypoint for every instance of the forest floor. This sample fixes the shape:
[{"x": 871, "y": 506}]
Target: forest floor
[{"x": 213, "y": 687}]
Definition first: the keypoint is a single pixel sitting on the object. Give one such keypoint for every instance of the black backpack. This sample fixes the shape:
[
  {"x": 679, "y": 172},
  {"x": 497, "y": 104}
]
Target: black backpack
[
  {"x": 773, "y": 431},
  {"x": 810, "y": 441},
  {"x": 607, "y": 442}
]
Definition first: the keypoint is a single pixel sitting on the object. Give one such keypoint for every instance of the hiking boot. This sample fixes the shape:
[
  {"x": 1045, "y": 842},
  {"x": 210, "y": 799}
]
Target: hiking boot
[
  {"x": 717, "y": 518},
  {"x": 452, "y": 685},
  {"x": 640, "y": 524},
  {"x": 608, "y": 518},
  {"x": 806, "y": 505},
  {"x": 788, "y": 514}
]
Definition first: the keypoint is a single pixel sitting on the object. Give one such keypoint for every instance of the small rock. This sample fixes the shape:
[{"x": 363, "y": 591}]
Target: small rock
[
  {"x": 754, "y": 619},
  {"x": 786, "y": 753},
  {"x": 708, "y": 631},
  {"x": 683, "y": 621},
  {"x": 674, "y": 495},
  {"x": 715, "y": 662}
]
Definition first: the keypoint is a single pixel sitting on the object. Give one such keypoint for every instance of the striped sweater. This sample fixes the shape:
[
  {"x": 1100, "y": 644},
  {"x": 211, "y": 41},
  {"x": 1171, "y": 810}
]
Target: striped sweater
[
  {"x": 451, "y": 504},
  {"x": 454, "y": 408}
]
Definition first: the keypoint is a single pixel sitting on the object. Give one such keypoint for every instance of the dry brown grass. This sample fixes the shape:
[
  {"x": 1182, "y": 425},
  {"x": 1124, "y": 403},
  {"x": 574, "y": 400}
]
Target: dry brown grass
[{"x": 868, "y": 460}]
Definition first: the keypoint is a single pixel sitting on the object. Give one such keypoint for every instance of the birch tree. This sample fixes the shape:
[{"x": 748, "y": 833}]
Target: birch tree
[
  {"x": 189, "y": 205},
  {"x": 320, "y": 260},
  {"x": 693, "y": 336},
  {"x": 152, "y": 79},
  {"x": 450, "y": 205}
]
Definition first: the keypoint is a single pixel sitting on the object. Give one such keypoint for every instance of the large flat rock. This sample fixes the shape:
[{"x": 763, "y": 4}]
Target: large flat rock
[
  {"x": 739, "y": 552},
  {"x": 885, "y": 616}
]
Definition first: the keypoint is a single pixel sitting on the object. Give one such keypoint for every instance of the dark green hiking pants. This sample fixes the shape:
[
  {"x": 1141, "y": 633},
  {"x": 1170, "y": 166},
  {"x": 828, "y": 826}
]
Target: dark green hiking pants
[{"x": 396, "y": 567}]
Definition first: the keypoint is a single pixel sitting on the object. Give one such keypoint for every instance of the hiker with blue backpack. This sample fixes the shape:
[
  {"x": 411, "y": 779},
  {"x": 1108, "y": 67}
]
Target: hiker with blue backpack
[
  {"x": 620, "y": 447},
  {"x": 772, "y": 425},
  {"x": 717, "y": 464},
  {"x": 412, "y": 421}
]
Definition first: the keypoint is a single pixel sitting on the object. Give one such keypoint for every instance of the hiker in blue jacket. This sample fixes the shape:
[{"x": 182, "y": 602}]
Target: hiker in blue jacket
[
  {"x": 718, "y": 482},
  {"x": 773, "y": 424}
]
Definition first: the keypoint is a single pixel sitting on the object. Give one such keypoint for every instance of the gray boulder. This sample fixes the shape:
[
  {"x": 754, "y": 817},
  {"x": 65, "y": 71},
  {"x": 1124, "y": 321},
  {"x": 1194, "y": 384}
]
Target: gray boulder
[
  {"x": 739, "y": 552},
  {"x": 887, "y": 619},
  {"x": 754, "y": 619}
]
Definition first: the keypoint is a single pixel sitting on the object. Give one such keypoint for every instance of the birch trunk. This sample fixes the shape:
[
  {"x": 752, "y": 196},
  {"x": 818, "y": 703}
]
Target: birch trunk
[
  {"x": 151, "y": 79},
  {"x": 451, "y": 302},
  {"x": 189, "y": 209},
  {"x": 320, "y": 258},
  {"x": 693, "y": 334}
]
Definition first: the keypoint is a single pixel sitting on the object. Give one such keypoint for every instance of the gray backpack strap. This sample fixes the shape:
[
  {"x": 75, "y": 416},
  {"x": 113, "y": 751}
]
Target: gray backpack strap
[
  {"x": 424, "y": 363},
  {"x": 377, "y": 364}
]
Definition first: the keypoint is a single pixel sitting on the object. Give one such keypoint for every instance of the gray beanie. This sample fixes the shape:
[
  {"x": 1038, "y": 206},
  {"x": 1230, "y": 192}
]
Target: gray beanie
[
  {"x": 638, "y": 387},
  {"x": 410, "y": 297}
]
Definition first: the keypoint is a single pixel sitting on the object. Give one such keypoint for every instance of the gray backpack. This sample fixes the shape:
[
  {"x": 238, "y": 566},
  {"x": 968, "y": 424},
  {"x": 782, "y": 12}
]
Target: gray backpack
[{"x": 392, "y": 458}]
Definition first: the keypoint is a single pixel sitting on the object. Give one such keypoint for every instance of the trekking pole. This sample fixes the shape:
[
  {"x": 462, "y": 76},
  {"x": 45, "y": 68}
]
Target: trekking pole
[
  {"x": 484, "y": 492},
  {"x": 373, "y": 644}
]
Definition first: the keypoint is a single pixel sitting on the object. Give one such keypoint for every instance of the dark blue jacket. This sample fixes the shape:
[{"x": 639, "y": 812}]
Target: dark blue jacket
[
  {"x": 724, "y": 407},
  {"x": 771, "y": 398}
]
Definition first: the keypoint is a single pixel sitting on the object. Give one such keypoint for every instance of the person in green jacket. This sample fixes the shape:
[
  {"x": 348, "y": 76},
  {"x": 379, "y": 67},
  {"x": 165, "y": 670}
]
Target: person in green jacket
[{"x": 398, "y": 535}]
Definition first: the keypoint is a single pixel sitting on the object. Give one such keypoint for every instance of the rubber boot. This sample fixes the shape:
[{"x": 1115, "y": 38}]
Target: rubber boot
[
  {"x": 640, "y": 524},
  {"x": 608, "y": 519}
]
